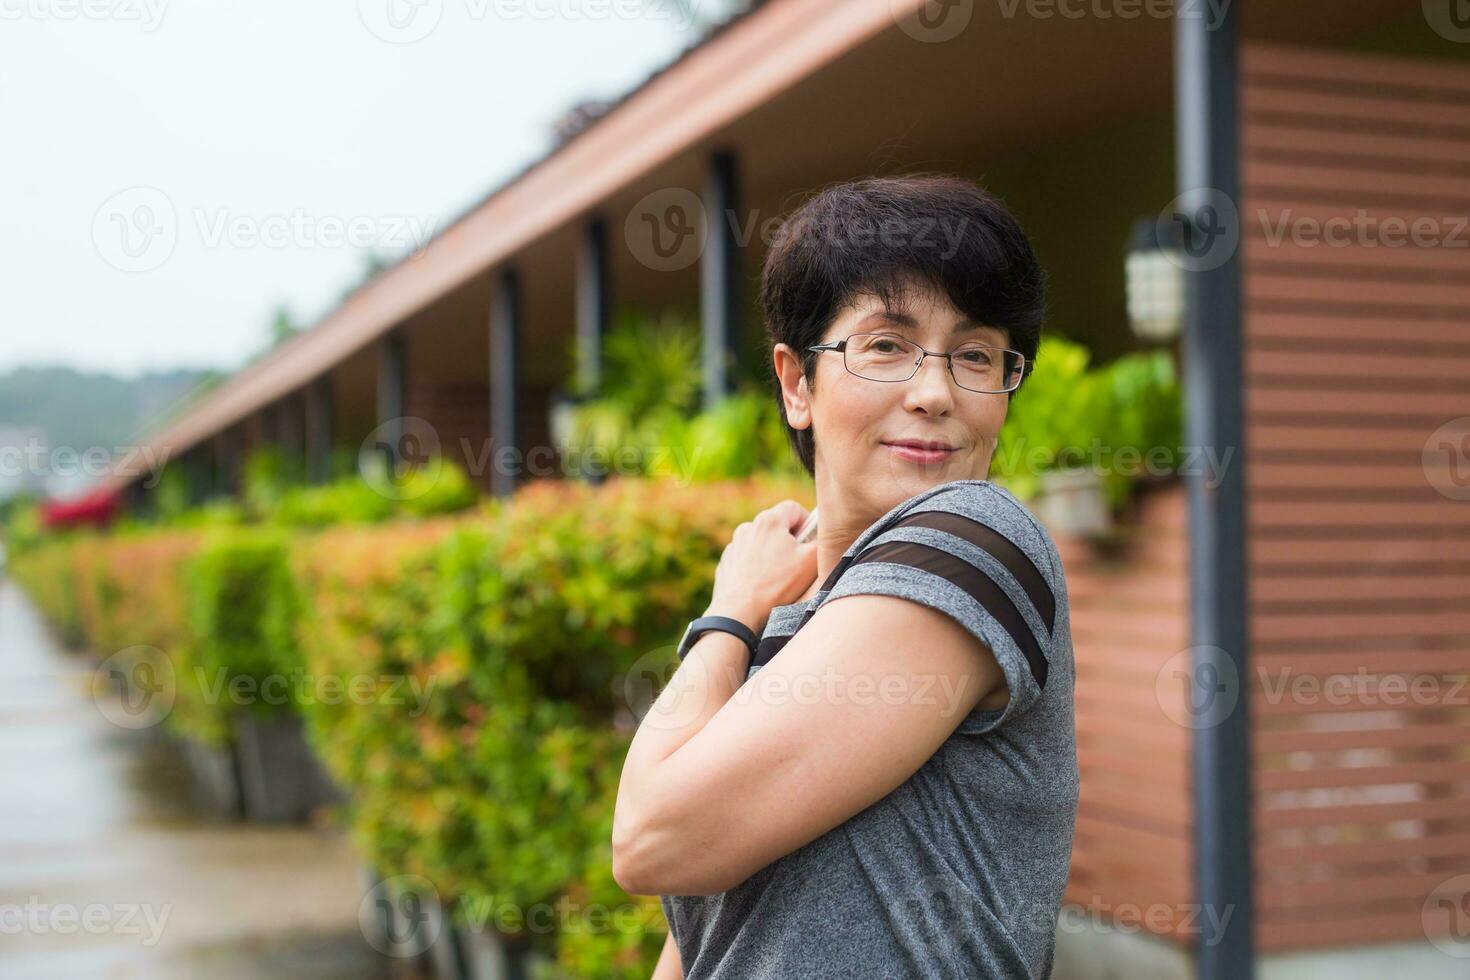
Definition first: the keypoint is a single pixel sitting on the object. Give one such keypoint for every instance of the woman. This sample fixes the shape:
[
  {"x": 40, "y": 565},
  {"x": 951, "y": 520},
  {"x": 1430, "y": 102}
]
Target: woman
[{"x": 888, "y": 786}]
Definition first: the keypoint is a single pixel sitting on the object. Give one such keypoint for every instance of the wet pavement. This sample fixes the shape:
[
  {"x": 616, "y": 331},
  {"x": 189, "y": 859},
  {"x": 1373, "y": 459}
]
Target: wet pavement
[{"x": 106, "y": 869}]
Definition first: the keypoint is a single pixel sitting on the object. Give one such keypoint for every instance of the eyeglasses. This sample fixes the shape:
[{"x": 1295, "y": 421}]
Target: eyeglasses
[{"x": 887, "y": 357}]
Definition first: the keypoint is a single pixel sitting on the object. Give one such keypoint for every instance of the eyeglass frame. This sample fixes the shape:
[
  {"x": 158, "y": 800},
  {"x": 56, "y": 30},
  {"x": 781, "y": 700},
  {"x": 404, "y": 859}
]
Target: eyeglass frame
[{"x": 840, "y": 346}]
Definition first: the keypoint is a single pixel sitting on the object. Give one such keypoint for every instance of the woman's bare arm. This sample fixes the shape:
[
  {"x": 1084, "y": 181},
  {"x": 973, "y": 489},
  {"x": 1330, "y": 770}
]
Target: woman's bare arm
[
  {"x": 810, "y": 742},
  {"x": 669, "y": 967}
]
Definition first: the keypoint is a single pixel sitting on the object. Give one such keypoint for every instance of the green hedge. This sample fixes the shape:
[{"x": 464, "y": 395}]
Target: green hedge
[
  {"x": 1069, "y": 413},
  {"x": 242, "y": 612},
  {"x": 531, "y": 623},
  {"x": 495, "y": 659}
]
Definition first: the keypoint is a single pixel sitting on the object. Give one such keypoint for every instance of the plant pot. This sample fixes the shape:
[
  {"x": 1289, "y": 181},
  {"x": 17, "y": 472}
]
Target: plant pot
[
  {"x": 374, "y": 917},
  {"x": 488, "y": 956},
  {"x": 281, "y": 779},
  {"x": 445, "y": 957},
  {"x": 413, "y": 929},
  {"x": 1074, "y": 503},
  {"x": 214, "y": 778}
]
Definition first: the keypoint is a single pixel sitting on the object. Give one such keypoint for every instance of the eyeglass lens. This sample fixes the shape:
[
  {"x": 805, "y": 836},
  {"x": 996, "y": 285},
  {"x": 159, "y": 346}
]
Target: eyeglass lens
[{"x": 884, "y": 357}]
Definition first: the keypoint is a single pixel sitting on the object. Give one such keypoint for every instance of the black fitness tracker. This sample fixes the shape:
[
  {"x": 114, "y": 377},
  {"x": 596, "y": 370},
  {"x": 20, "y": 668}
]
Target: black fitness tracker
[{"x": 723, "y": 623}]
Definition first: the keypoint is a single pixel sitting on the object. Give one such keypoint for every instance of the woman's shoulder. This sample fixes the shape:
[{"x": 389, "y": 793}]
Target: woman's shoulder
[{"x": 979, "y": 502}]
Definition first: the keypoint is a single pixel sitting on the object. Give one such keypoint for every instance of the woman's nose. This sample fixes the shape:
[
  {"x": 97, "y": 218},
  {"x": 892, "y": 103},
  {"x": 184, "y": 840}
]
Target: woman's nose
[{"x": 930, "y": 387}]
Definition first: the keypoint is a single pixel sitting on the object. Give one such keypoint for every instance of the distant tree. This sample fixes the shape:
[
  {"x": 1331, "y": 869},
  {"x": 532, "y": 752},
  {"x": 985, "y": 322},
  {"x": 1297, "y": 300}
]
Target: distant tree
[
  {"x": 703, "y": 13},
  {"x": 283, "y": 327},
  {"x": 372, "y": 265},
  {"x": 82, "y": 409}
]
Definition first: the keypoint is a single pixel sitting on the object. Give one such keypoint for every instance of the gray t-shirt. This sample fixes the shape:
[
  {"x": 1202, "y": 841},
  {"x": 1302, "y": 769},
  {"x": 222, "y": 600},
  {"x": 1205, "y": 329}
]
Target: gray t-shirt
[{"x": 958, "y": 872}]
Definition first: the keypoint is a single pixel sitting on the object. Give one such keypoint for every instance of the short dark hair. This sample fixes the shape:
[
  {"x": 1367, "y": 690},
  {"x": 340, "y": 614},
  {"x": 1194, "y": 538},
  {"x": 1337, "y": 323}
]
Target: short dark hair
[{"x": 871, "y": 237}]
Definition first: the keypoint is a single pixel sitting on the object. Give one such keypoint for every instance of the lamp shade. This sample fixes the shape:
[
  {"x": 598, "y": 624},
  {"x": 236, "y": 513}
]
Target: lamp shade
[
  {"x": 561, "y": 409},
  {"x": 1155, "y": 283}
]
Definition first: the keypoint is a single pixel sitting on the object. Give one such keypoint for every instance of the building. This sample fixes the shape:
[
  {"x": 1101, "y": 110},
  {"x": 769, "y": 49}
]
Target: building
[{"x": 1316, "y": 154}]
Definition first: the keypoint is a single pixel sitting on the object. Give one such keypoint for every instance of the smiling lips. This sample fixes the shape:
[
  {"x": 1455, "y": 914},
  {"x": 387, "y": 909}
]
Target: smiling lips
[{"x": 920, "y": 450}]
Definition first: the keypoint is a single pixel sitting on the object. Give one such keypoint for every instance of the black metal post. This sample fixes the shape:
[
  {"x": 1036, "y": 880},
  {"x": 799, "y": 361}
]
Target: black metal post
[
  {"x": 593, "y": 303},
  {"x": 505, "y": 315},
  {"x": 270, "y": 425},
  {"x": 319, "y": 430},
  {"x": 594, "y": 310},
  {"x": 720, "y": 293},
  {"x": 392, "y": 374},
  {"x": 291, "y": 432},
  {"x": 1206, "y": 124},
  {"x": 228, "y": 470}
]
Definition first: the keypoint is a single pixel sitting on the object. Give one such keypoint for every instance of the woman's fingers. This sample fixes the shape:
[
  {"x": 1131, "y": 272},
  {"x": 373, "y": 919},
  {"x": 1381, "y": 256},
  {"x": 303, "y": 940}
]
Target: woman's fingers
[{"x": 788, "y": 514}]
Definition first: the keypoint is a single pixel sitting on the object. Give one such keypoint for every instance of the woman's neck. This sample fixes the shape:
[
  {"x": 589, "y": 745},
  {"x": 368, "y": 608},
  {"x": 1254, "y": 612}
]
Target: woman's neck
[{"x": 837, "y": 529}]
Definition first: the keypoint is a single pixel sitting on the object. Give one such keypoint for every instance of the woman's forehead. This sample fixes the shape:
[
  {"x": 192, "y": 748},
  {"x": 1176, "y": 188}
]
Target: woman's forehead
[{"x": 912, "y": 317}]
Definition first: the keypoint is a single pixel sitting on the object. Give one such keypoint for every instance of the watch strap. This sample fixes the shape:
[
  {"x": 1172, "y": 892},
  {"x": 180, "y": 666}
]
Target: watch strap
[{"x": 725, "y": 624}]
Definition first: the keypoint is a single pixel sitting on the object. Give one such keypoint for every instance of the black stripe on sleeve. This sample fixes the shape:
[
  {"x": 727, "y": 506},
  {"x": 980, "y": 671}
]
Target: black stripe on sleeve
[
  {"x": 1001, "y": 548},
  {"x": 991, "y": 597},
  {"x": 994, "y": 599},
  {"x": 768, "y": 648}
]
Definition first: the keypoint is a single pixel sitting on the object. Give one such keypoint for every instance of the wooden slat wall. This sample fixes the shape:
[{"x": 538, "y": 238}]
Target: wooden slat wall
[
  {"x": 1131, "y": 858},
  {"x": 1354, "y": 356},
  {"x": 459, "y": 413},
  {"x": 460, "y": 416}
]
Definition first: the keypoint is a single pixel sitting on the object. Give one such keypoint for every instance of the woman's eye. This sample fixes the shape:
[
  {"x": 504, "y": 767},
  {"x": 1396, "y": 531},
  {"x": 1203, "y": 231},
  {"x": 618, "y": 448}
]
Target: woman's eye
[{"x": 885, "y": 343}]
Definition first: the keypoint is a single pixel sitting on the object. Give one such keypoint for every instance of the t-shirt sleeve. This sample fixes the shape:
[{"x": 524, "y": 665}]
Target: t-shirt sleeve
[{"x": 975, "y": 554}]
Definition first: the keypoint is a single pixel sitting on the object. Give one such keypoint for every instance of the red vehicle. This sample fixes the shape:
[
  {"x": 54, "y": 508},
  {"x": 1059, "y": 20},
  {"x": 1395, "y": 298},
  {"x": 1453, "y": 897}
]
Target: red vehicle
[{"x": 95, "y": 508}]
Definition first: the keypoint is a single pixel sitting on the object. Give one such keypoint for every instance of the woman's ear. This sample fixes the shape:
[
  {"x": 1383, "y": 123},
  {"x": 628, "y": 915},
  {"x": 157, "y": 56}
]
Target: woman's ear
[{"x": 795, "y": 393}]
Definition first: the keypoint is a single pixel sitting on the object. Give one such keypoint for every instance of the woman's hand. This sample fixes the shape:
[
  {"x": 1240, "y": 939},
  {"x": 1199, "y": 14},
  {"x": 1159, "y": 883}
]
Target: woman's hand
[{"x": 763, "y": 566}]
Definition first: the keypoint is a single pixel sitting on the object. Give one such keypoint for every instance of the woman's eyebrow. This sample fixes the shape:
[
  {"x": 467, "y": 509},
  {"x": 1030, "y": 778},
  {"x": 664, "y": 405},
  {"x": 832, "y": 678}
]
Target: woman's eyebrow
[{"x": 907, "y": 322}]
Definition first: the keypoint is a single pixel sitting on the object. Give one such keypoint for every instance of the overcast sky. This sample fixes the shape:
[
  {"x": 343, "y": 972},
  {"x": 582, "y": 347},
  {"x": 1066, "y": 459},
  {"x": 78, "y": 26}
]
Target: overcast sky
[{"x": 175, "y": 169}]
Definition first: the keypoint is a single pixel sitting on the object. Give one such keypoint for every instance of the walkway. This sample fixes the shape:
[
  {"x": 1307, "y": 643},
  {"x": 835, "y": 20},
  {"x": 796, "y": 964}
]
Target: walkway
[{"x": 107, "y": 872}]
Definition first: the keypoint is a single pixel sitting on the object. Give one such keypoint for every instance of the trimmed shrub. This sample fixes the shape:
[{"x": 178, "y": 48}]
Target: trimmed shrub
[{"x": 471, "y": 682}]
